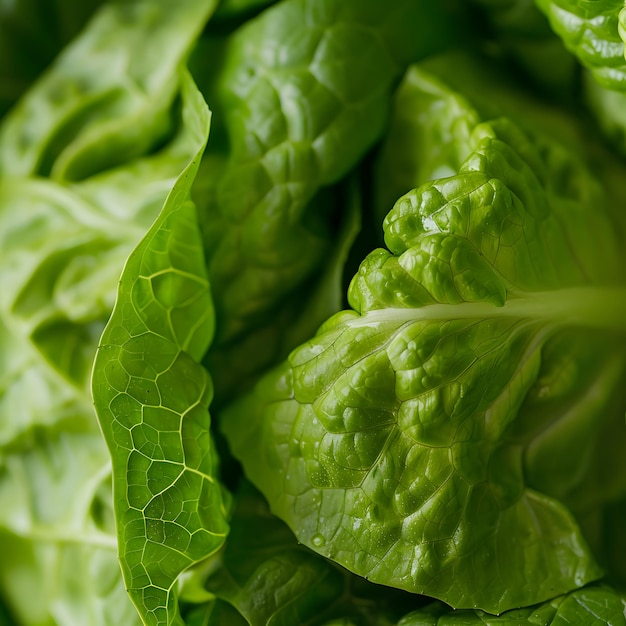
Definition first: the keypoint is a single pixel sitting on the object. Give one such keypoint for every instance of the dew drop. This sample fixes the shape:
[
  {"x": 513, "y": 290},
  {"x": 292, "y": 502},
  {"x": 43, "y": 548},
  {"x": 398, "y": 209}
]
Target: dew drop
[{"x": 318, "y": 540}]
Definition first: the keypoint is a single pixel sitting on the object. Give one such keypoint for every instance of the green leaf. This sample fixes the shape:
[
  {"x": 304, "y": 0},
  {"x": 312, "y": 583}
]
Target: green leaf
[
  {"x": 107, "y": 98},
  {"x": 28, "y": 45},
  {"x": 63, "y": 248},
  {"x": 152, "y": 396},
  {"x": 414, "y": 150},
  {"x": 235, "y": 9},
  {"x": 402, "y": 440},
  {"x": 608, "y": 108},
  {"x": 236, "y": 366},
  {"x": 271, "y": 579},
  {"x": 594, "y": 33},
  {"x": 59, "y": 564},
  {"x": 595, "y": 605},
  {"x": 303, "y": 92},
  {"x": 217, "y": 613},
  {"x": 435, "y": 109},
  {"x": 604, "y": 526}
]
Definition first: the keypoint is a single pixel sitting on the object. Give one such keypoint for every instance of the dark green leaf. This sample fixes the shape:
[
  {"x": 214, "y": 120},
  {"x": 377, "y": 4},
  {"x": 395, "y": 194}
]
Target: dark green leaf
[
  {"x": 596, "y": 605},
  {"x": 32, "y": 32},
  {"x": 302, "y": 93},
  {"x": 271, "y": 579}
]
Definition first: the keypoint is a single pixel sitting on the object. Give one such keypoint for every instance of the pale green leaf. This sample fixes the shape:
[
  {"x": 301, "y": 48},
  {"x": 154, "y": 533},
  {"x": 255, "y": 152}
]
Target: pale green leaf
[
  {"x": 107, "y": 98},
  {"x": 59, "y": 565},
  {"x": 152, "y": 399}
]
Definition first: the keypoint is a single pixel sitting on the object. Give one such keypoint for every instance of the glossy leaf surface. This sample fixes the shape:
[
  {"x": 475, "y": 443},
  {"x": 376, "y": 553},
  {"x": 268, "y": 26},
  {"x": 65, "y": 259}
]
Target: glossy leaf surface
[
  {"x": 594, "y": 32},
  {"x": 302, "y": 93},
  {"x": 401, "y": 441}
]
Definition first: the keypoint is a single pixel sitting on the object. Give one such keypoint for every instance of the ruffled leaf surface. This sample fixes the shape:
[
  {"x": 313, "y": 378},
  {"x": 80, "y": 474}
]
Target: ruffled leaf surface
[{"x": 413, "y": 439}]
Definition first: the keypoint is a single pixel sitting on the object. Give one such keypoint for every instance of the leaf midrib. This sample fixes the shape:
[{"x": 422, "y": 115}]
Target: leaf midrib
[{"x": 596, "y": 307}]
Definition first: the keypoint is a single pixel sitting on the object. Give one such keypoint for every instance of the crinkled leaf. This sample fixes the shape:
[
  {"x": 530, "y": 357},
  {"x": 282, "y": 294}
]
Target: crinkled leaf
[
  {"x": 63, "y": 248},
  {"x": 494, "y": 91},
  {"x": 403, "y": 441},
  {"x": 107, "y": 97},
  {"x": 59, "y": 546},
  {"x": 435, "y": 110},
  {"x": 63, "y": 258},
  {"x": 595, "y": 33},
  {"x": 236, "y": 365},
  {"x": 302, "y": 94},
  {"x": 152, "y": 396},
  {"x": 429, "y": 137},
  {"x": 430, "y": 132}
]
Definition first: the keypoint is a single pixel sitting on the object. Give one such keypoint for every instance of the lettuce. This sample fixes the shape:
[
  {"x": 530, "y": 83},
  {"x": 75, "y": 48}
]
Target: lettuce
[
  {"x": 595, "y": 604},
  {"x": 409, "y": 439},
  {"x": 300, "y": 417},
  {"x": 595, "y": 33}
]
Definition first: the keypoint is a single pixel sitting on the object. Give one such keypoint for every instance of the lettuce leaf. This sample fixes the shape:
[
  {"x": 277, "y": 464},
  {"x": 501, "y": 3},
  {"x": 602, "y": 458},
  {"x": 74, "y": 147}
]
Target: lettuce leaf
[
  {"x": 413, "y": 439},
  {"x": 458, "y": 433},
  {"x": 522, "y": 34},
  {"x": 57, "y": 530},
  {"x": 152, "y": 398},
  {"x": 28, "y": 45},
  {"x": 63, "y": 247},
  {"x": 595, "y": 605},
  {"x": 302, "y": 92},
  {"x": 107, "y": 97},
  {"x": 271, "y": 579},
  {"x": 594, "y": 32}
]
